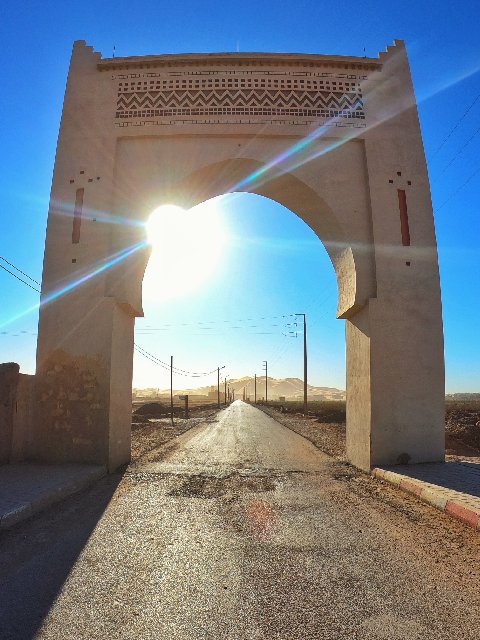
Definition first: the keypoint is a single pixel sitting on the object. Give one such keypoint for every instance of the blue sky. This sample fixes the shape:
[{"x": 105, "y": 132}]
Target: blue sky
[{"x": 266, "y": 268}]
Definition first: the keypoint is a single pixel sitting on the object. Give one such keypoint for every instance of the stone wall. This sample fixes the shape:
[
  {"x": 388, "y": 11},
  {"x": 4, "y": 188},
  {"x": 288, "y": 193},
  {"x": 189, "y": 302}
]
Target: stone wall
[
  {"x": 16, "y": 413},
  {"x": 23, "y": 446}
]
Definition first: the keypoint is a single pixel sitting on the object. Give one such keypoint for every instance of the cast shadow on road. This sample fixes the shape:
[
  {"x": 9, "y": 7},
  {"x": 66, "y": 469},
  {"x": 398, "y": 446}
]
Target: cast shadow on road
[
  {"x": 37, "y": 556},
  {"x": 458, "y": 476}
]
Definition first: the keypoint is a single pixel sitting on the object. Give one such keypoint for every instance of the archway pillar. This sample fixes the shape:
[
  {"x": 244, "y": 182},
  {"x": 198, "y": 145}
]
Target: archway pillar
[
  {"x": 395, "y": 384},
  {"x": 83, "y": 381}
]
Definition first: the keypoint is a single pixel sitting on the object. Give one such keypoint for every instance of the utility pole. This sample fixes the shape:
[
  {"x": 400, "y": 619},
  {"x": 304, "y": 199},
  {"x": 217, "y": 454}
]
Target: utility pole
[
  {"x": 255, "y": 389},
  {"x": 225, "y": 392},
  {"x": 304, "y": 361},
  {"x": 218, "y": 384},
  {"x": 265, "y": 366},
  {"x": 171, "y": 389}
]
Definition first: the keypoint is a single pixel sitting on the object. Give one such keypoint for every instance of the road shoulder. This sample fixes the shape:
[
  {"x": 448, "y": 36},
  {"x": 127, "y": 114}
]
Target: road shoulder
[
  {"x": 452, "y": 487},
  {"x": 432, "y": 483}
]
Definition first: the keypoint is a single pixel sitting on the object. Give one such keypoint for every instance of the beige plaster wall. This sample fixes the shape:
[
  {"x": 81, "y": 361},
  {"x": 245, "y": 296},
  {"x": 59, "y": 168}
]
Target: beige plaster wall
[{"x": 338, "y": 174}]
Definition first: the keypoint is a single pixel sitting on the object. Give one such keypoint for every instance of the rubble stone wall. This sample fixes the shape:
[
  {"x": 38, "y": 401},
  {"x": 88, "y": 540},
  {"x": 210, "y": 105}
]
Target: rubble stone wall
[{"x": 16, "y": 398}]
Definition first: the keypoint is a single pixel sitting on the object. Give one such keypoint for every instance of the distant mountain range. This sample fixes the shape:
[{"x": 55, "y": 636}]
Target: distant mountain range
[{"x": 288, "y": 388}]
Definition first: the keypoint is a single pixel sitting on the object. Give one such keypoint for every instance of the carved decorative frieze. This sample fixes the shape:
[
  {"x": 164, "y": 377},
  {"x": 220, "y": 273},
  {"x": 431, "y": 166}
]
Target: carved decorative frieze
[{"x": 262, "y": 94}]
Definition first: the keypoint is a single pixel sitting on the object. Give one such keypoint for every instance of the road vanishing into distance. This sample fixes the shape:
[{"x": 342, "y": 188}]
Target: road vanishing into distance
[{"x": 239, "y": 529}]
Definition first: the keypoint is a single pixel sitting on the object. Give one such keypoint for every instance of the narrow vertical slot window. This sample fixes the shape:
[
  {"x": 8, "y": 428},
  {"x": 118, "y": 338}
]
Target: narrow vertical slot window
[
  {"x": 77, "y": 216},
  {"x": 404, "y": 226}
]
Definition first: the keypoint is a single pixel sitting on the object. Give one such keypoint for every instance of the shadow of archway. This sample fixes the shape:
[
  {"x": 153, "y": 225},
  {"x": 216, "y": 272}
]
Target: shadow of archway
[{"x": 37, "y": 556}]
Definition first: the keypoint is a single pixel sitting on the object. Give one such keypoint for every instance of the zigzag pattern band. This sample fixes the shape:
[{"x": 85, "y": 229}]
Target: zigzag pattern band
[{"x": 138, "y": 104}]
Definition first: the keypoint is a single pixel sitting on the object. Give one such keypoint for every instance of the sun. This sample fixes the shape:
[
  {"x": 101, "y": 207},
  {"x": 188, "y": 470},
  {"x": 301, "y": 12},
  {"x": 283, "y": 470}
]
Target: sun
[{"x": 186, "y": 249}]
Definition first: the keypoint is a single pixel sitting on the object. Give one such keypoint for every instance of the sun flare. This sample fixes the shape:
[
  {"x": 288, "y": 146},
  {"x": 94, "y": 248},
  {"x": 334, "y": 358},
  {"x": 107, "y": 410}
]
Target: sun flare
[{"x": 186, "y": 249}]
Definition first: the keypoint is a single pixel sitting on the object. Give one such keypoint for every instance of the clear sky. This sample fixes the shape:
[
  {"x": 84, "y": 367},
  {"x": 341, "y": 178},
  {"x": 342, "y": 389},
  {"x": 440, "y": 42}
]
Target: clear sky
[{"x": 270, "y": 264}]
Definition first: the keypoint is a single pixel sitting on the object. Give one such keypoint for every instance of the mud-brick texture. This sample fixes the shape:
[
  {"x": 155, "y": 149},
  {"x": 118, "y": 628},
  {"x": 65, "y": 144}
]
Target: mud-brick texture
[
  {"x": 71, "y": 409},
  {"x": 452, "y": 487},
  {"x": 28, "y": 488},
  {"x": 9, "y": 374}
]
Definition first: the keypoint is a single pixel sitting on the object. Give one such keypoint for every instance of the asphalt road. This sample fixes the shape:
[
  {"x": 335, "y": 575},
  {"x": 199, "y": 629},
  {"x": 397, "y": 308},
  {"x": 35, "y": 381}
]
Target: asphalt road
[{"x": 240, "y": 529}]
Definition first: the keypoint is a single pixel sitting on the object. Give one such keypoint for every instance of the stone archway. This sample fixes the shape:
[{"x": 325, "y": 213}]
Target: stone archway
[{"x": 334, "y": 139}]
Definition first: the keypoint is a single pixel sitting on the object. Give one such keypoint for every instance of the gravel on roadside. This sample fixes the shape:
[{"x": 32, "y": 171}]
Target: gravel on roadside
[
  {"x": 330, "y": 437},
  {"x": 151, "y": 433},
  {"x": 327, "y": 436}
]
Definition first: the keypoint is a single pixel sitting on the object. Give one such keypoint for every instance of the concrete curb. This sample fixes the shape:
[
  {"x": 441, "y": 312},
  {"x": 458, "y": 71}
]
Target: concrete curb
[
  {"x": 454, "y": 503},
  {"x": 19, "y": 510}
]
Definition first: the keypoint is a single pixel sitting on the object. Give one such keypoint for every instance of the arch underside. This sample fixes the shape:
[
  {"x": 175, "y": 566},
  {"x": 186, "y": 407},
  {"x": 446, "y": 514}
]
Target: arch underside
[{"x": 351, "y": 254}]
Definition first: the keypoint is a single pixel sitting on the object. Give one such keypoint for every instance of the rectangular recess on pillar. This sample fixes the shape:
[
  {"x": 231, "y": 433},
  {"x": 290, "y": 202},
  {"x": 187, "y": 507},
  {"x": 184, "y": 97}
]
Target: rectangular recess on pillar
[
  {"x": 77, "y": 216},
  {"x": 404, "y": 226}
]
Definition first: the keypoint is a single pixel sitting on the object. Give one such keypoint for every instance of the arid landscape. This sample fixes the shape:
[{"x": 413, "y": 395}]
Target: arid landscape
[
  {"x": 239, "y": 373},
  {"x": 290, "y": 389},
  {"x": 324, "y": 425}
]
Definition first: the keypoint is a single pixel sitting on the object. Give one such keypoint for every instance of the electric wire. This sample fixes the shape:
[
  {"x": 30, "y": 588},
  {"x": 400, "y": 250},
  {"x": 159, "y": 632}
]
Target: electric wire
[
  {"x": 148, "y": 355},
  {"x": 151, "y": 359},
  {"x": 163, "y": 327},
  {"x": 182, "y": 372},
  {"x": 454, "y": 193},
  {"x": 458, "y": 153},
  {"x": 161, "y": 364},
  {"x": 455, "y": 127},
  {"x": 20, "y": 271},
  {"x": 462, "y": 148},
  {"x": 18, "y": 278},
  {"x": 18, "y": 333}
]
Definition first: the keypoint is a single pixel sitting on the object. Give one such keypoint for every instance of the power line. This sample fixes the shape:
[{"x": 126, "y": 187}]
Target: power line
[
  {"x": 20, "y": 271},
  {"x": 213, "y": 332},
  {"x": 18, "y": 278},
  {"x": 462, "y": 148},
  {"x": 160, "y": 363},
  {"x": 18, "y": 333},
  {"x": 456, "y": 125},
  {"x": 152, "y": 359},
  {"x": 182, "y": 372},
  {"x": 148, "y": 355},
  {"x": 464, "y": 184},
  {"x": 166, "y": 325},
  {"x": 196, "y": 374}
]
